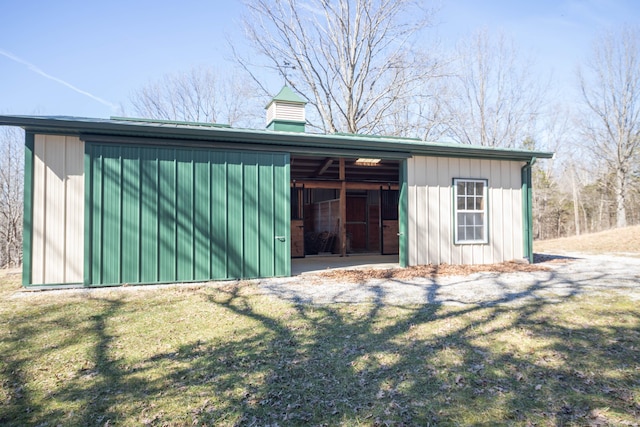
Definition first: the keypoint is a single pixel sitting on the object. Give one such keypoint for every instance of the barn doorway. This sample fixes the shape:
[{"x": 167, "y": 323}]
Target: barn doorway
[{"x": 344, "y": 206}]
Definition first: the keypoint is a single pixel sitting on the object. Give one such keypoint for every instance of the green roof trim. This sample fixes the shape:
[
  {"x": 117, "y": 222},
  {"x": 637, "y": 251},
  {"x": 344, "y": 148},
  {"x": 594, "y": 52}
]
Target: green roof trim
[
  {"x": 288, "y": 95},
  {"x": 286, "y": 126},
  {"x": 399, "y": 138},
  {"x": 169, "y": 122},
  {"x": 267, "y": 140}
]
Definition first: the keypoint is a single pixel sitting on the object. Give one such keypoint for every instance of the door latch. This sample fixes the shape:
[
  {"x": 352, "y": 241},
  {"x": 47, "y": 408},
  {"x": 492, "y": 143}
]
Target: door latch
[{"x": 281, "y": 238}]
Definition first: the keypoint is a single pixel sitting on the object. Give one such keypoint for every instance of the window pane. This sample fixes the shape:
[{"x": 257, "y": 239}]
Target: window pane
[
  {"x": 461, "y": 232},
  {"x": 480, "y": 188},
  {"x": 477, "y": 219},
  {"x": 461, "y": 188},
  {"x": 479, "y": 204},
  {"x": 461, "y": 204},
  {"x": 465, "y": 219},
  {"x": 470, "y": 219}
]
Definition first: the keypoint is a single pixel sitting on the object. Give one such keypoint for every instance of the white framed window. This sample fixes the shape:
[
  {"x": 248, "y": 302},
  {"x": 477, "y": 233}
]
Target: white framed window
[{"x": 470, "y": 210}]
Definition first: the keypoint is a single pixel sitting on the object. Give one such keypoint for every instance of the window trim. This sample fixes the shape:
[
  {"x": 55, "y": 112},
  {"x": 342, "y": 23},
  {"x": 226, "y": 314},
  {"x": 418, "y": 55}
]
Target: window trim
[{"x": 485, "y": 237}]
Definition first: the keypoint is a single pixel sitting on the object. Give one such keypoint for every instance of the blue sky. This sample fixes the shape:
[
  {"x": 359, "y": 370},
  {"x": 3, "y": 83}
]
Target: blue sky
[{"x": 85, "y": 58}]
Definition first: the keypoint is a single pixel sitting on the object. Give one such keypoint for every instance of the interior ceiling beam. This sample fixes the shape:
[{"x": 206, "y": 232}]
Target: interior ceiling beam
[
  {"x": 325, "y": 165},
  {"x": 337, "y": 185}
]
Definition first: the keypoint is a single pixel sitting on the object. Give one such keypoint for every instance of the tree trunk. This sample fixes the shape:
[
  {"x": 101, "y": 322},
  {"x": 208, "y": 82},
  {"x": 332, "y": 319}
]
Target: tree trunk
[
  {"x": 621, "y": 195},
  {"x": 576, "y": 207}
]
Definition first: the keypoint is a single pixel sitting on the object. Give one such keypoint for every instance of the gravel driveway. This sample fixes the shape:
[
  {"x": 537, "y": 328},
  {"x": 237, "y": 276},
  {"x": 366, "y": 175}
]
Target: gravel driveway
[{"x": 572, "y": 274}]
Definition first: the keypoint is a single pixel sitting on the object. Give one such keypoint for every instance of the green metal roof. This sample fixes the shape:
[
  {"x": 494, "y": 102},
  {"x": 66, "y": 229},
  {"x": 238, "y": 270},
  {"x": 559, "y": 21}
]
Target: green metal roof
[
  {"x": 288, "y": 95},
  {"x": 170, "y": 122},
  {"x": 194, "y": 134}
]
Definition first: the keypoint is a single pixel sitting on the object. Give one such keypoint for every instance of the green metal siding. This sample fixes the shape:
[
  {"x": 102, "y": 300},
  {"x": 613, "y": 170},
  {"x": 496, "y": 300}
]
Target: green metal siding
[
  {"x": 527, "y": 212},
  {"x": 160, "y": 214},
  {"x": 403, "y": 216},
  {"x": 27, "y": 219}
]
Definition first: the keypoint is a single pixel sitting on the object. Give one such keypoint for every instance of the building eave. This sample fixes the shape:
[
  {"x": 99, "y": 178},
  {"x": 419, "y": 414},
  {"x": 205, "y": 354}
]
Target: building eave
[{"x": 276, "y": 140}]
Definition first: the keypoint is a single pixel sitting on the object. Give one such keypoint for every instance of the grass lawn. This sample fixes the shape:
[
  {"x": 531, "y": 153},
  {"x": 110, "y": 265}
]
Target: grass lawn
[{"x": 226, "y": 355}]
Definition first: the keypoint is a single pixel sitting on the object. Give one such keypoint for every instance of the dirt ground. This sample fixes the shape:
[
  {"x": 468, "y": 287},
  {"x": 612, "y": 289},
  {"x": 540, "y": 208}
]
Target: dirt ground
[{"x": 552, "y": 278}]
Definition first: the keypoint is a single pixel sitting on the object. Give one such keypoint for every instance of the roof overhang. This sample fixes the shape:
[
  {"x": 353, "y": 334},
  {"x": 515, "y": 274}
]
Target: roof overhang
[{"x": 141, "y": 132}]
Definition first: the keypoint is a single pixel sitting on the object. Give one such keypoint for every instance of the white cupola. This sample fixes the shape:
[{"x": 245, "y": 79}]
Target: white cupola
[{"x": 285, "y": 112}]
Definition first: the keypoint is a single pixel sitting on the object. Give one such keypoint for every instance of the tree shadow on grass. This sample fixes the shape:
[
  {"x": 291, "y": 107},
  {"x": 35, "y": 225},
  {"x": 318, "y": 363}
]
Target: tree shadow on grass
[
  {"x": 342, "y": 364},
  {"x": 82, "y": 381}
]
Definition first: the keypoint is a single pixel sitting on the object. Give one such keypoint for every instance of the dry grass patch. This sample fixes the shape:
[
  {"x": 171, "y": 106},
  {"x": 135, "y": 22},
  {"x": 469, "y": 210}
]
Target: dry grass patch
[{"x": 621, "y": 240}]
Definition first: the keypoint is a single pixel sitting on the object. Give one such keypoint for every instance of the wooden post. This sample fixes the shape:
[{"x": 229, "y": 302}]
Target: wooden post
[{"x": 343, "y": 210}]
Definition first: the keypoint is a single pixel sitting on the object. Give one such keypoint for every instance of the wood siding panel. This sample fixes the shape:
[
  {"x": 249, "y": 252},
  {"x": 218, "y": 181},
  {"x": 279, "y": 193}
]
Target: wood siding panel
[
  {"x": 58, "y": 210},
  {"x": 390, "y": 243},
  {"x": 431, "y": 215},
  {"x": 326, "y": 216},
  {"x": 297, "y": 238},
  {"x": 356, "y": 222},
  {"x": 374, "y": 228}
]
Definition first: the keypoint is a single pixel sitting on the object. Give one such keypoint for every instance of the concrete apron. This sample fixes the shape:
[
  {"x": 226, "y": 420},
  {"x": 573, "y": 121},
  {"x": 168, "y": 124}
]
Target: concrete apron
[{"x": 317, "y": 263}]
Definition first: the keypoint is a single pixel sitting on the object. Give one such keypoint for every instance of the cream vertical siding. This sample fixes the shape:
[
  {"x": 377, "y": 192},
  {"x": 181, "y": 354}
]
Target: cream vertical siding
[
  {"x": 58, "y": 210},
  {"x": 431, "y": 216}
]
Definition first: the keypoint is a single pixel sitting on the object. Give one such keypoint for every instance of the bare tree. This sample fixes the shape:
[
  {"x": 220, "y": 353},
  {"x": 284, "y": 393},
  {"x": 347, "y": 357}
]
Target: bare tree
[
  {"x": 199, "y": 95},
  {"x": 494, "y": 97},
  {"x": 353, "y": 60},
  {"x": 11, "y": 199},
  {"x": 423, "y": 115},
  {"x": 611, "y": 92}
]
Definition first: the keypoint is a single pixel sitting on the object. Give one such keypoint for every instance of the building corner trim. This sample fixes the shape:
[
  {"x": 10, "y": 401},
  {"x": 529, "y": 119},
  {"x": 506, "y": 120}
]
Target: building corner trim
[
  {"x": 527, "y": 210},
  {"x": 27, "y": 219},
  {"x": 403, "y": 215}
]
